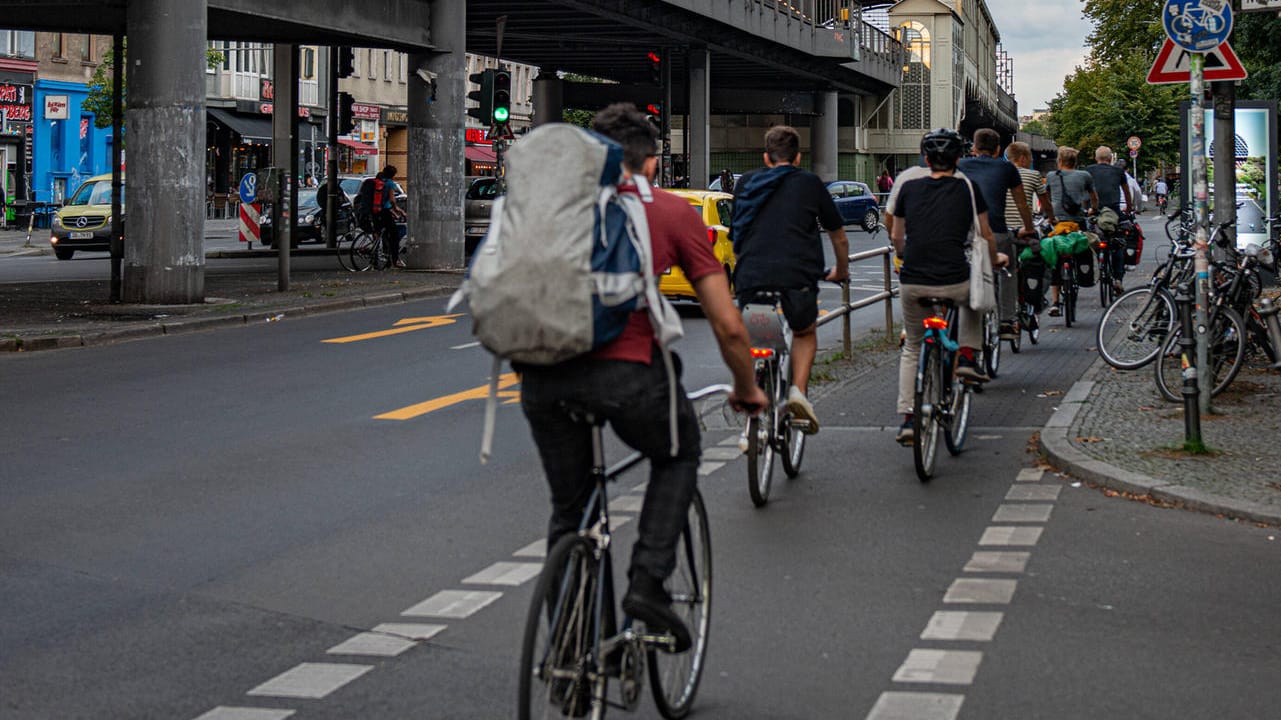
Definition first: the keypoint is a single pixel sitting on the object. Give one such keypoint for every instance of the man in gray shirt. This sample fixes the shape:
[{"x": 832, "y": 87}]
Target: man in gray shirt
[
  {"x": 1112, "y": 187},
  {"x": 1070, "y": 190}
]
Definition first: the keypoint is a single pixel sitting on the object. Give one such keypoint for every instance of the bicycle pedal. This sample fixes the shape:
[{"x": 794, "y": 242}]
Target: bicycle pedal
[{"x": 799, "y": 423}]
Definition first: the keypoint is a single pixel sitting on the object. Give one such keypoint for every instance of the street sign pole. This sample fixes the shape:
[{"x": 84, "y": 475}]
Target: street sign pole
[{"x": 1202, "y": 262}]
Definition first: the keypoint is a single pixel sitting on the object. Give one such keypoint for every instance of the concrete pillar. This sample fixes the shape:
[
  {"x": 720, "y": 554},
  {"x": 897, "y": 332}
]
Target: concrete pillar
[
  {"x": 164, "y": 260},
  {"x": 549, "y": 99},
  {"x": 436, "y": 171},
  {"x": 823, "y": 140},
  {"x": 284, "y": 154},
  {"x": 700, "y": 116}
]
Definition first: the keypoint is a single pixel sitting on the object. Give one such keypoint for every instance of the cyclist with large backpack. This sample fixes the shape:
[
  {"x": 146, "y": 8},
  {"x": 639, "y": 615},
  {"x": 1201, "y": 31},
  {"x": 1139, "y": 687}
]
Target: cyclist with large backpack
[{"x": 626, "y": 381}]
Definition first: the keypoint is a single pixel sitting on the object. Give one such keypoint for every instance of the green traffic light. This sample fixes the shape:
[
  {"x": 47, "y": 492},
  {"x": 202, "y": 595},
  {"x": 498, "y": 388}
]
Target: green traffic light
[{"x": 501, "y": 114}]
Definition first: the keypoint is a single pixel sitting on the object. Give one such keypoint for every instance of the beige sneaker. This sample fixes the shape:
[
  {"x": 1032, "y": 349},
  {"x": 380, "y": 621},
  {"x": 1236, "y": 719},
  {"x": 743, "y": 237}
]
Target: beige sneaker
[{"x": 801, "y": 409}]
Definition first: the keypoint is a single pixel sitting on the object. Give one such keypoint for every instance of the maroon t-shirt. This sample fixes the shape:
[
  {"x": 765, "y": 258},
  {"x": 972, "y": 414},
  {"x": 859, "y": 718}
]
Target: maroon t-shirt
[{"x": 678, "y": 237}]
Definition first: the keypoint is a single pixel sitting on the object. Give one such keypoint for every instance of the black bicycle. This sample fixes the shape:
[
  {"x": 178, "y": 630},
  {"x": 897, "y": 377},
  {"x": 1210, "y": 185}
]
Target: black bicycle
[
  {"x": 775, "y": 431},
  {"x": 573, "y": 645},
  {"x": 941, "y": 401}
]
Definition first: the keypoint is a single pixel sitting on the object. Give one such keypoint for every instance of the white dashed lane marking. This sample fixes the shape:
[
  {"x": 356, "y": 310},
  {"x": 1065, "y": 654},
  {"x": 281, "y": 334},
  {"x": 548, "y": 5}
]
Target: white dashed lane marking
[
  {"x": 1007, "y": 535},
  {"x": 1044, "y": 493},
  {"x": 1023, "y": 513},
  {"x": 505, "y": 573},
  {"x": 723, "y": 453},
  {"x": 369, "y": 643},
  {"x": 409, "y": 631},
  {"x": 916, "y": 706},
  {"x": 311, "y": 680},
  {"x": 453, "y": 603},
  {"x": 981, "y": 590},
  {"x": 536, "y": 549},
  {"x": 223, "y": 712},
  {"x": 626, "y": 503},
  {"x": 998, "y": 562},
  {"x": 947, "y": 667},
  {"x": 954, "y": 625},
  {"x": 707, "y": 468},
  {"x": 1030, "y": 475}
]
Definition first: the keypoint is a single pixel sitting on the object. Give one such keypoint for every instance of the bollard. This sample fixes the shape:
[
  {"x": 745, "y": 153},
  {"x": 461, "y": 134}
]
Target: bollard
[
  {"x": 1187, "y": 351},
  {"x": 1269, "y": 310}
]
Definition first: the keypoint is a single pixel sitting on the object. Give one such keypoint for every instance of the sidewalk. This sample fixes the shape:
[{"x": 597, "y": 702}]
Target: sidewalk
[{"x": 1111, "y": 428}]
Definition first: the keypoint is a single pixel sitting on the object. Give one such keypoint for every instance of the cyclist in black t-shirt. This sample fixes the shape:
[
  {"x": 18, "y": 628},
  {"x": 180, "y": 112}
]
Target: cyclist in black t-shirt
[
  {"x": 934, "y": 217},
  {"x": 777, "y": 214}
]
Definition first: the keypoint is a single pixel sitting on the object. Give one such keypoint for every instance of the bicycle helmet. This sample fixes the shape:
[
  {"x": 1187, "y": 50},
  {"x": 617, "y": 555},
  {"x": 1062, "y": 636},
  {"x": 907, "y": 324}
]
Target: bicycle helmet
[{"x": 942, "y": 146}]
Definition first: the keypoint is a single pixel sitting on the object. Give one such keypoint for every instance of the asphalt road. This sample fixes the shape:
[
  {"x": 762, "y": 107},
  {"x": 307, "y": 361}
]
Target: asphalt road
[{"x": 197, "y": 522}]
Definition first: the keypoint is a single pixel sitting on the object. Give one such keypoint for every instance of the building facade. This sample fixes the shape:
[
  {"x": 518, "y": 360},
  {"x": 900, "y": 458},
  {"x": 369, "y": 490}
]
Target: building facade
[
  {"x": 17, "y": 111},
  {"x": 68, "y": 146}
]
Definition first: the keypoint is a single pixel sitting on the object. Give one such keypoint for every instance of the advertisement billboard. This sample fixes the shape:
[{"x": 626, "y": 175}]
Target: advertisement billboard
[{"x": 1254, "y": 161}]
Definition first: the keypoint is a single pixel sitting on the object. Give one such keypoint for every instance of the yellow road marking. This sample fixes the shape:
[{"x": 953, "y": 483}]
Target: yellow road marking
[
  {"x": 404, "y": 325},
  {"x": 506, "y": 380}
]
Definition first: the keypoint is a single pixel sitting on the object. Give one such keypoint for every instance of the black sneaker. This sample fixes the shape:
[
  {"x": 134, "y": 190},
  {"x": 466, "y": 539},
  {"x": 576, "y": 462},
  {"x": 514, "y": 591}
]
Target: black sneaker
[
  {"x": 969, "y": 369},
  {"x": 647, "y": 601},
  {"x": 906, "y": 433}
]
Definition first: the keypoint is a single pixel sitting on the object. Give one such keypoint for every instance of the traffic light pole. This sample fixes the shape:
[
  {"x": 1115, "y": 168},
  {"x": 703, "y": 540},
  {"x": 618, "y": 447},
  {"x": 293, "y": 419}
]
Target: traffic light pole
[
  {"x": 665, "y": 173},
  {"x": 331, "y": 156}
]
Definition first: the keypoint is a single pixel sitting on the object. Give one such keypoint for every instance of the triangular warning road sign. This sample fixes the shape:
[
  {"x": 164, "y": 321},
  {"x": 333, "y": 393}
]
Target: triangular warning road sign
[{"x": 1174, "y": 65}]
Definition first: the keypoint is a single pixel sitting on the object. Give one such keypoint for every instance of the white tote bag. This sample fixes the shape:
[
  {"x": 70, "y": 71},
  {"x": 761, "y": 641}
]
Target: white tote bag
[{"x": 982, "y": 277}]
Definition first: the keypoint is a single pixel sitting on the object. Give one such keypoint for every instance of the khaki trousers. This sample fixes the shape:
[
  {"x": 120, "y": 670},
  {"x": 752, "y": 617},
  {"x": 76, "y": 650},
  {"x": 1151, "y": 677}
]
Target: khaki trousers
[{"x": 970, "y": 332}]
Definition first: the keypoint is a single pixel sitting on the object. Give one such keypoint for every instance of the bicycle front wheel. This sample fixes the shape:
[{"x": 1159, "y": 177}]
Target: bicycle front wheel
[
  {"x": 1226, "y": 355},
  {"x": 1134, "y": 328},
  {"x": 674, "y": 679},
  {"x": 958, "y": 429},
  {"x": 760, "y": 441},
  {"x": 992, "y": 343},
  {"x": 925, "y": 413},
  {"x": 557, "y": 677}
]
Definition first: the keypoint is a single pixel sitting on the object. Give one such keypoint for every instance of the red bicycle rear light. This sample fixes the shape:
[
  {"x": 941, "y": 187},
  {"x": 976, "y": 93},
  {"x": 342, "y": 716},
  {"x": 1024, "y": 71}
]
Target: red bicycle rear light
[
  {"x": 711, "y": 235},
  {"x": 762, "y": 353},
  {"x": 935, "y": 323}
]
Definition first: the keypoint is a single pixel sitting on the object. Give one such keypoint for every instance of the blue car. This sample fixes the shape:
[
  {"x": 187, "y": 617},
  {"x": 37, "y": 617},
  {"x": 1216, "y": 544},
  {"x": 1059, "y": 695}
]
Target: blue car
[{"x": 856, "y": 202}]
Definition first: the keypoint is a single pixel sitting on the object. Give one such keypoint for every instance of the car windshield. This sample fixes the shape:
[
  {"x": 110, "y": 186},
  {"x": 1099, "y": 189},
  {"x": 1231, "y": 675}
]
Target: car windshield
[
  {"x": 307, "y": 199},
  {"x": 350, "y": 185},
  {"x": 94, "y": 193},
  {"x": 483, "y": 190}
]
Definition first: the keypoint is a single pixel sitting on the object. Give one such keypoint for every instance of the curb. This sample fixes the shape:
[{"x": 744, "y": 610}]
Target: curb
[
  {"x": 1055, "y": 442},
  {"x": 33, "y": 343}
]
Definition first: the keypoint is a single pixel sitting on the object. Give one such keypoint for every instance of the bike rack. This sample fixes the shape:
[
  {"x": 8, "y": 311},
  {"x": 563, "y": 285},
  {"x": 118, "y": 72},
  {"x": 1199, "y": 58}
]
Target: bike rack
[{"x": 886, "y": 296}]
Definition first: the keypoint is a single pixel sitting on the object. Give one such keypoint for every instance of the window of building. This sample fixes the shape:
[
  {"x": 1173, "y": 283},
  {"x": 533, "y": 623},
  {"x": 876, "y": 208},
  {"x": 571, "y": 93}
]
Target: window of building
[
  {"x": 59, "y": 52},
  {"x": 914, "y": 94},
  {"x": 86, "y": 48},
  {"x": 18, "y": 43},
  {"x": 388, "y": 73},
  {"x": 355, "y": 63},
  {"x": 373, "y": 68},
  {"x": 308, "y": 63},
  {"x": 402, "y": 61}
]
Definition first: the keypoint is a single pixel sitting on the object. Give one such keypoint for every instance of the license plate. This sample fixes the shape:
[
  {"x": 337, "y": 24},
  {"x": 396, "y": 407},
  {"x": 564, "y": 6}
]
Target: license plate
[{"x": 81, "y": 235}]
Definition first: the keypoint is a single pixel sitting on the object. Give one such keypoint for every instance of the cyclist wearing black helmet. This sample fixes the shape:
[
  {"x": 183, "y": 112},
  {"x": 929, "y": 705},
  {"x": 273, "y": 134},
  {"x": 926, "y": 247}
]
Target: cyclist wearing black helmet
[{"x": 934, "y": 214}]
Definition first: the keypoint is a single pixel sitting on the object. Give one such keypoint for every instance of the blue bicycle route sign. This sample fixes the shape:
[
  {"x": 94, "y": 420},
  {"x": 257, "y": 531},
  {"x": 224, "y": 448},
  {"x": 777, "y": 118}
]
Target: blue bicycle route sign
[
  {"x": 248, "y": 188},
  {"x": 1197, "y": 25}
]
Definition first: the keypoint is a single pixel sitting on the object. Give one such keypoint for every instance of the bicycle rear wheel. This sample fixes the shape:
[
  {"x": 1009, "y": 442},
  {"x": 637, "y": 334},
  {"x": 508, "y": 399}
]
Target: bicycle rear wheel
[
  {"x": 760, "y": 440},
  {"x": 363, "y": 250},
  {"x": 1069, "y": 299},
  {"x": 1135, "y": 327},
  {"x": 1107, "y": 293},
  {"x": 925, "y": 413},
  {"x": 557, "y": 670},
  {"x": 673, "y": 679},
  {"x": 791, "y": 441},
  {"x": 1032, "y": 324}
]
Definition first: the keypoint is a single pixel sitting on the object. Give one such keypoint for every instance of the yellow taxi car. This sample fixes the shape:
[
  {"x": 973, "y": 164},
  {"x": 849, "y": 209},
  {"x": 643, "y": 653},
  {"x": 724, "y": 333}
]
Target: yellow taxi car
[
  {"x": 715, "y": 208},
  {"x": 84, "y": 222}
]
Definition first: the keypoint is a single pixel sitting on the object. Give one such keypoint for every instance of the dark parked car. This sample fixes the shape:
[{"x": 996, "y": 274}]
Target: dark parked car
[{"x": 856, "y": 202}]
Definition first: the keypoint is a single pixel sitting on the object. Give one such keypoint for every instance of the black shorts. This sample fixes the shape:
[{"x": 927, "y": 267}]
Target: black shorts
[{"x": 800, "y": 305}]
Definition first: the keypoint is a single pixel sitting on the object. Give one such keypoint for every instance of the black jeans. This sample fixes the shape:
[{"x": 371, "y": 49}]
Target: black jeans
[
  {"x": 386, "y": 224},
  {"x": 633, "y": 398}
]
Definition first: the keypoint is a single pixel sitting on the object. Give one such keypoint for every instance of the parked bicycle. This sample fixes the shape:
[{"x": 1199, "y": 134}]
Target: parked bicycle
[
  {"x": 941, "y": 400},
  {"x": 573, "y": 644},
  {"x": 775, "y": 431}
]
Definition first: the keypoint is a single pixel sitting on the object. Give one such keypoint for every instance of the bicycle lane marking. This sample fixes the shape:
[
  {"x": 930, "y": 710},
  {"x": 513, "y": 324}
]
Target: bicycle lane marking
[
  {"x": 947, "y": 657},
  {"x": 315, "y": 681}
]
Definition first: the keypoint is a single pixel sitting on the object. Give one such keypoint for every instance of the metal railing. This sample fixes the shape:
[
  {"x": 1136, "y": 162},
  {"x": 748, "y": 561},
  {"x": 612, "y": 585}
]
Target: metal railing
[{"x": 886, "y": 296}]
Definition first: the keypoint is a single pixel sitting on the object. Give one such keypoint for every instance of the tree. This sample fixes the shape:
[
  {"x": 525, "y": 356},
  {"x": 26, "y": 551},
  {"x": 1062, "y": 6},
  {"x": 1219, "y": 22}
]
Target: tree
[
  {"x": 98, "y": 100},
  {"x": 1037, "y": 127},
  {"x": 1122, "y": 28}
]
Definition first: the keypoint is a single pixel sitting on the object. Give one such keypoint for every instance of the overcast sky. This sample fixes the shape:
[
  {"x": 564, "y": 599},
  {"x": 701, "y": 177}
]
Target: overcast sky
[{"x": 1046, "y": 38}]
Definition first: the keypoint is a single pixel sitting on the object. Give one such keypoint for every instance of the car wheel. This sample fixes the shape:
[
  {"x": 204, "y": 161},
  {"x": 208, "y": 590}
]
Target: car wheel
[
  {"x": 63, "y": 253},
  {"x": 870, "y": 220}
]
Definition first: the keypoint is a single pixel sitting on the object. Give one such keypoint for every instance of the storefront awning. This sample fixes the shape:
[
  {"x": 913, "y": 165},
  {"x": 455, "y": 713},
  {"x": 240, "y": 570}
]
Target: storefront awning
[
  {"x": 475, "y": 153},
  {"x": 358, "y": 148},
  {"x": 250, "y": 127}
]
